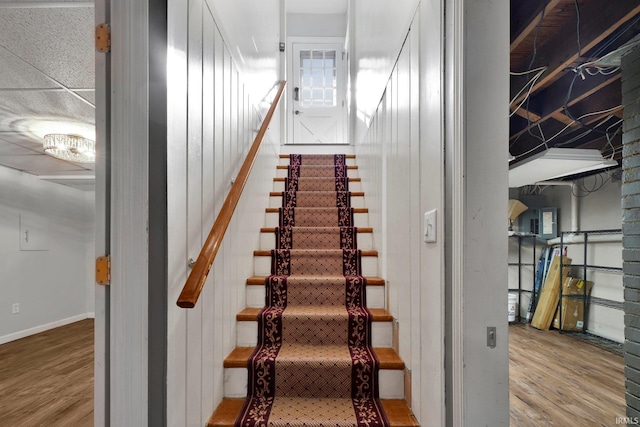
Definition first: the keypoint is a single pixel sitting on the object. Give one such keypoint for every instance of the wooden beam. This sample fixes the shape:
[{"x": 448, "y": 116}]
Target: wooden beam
[
  {"x": 529, "y": 21},
  {"x": 598, "y": 20},
  {"x": 551, "y": 101}
]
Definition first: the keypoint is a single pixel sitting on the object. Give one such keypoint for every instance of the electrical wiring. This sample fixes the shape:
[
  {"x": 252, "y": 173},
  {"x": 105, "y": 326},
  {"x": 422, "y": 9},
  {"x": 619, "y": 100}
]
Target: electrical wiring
[
  {"x": 530, "y": 84},
  {"x": 575, "y": 2},
  {"x": 567, "y": 127},
  {"x": 535, "y": 39}
]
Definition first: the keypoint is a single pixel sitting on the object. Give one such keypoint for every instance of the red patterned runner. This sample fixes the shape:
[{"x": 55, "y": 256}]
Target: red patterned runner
[{"x": 314, "y": 365}]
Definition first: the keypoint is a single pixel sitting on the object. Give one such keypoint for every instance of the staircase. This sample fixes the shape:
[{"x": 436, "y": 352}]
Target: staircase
[{"x": 334, "y": 335}]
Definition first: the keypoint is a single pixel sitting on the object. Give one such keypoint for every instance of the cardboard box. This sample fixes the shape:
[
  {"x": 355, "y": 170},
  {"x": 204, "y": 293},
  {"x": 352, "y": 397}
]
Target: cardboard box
[{"x": 572, "y": 305}]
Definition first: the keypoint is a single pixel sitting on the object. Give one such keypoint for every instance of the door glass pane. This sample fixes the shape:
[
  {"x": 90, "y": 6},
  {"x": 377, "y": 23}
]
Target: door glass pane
[{"x": 318, "y": 78}]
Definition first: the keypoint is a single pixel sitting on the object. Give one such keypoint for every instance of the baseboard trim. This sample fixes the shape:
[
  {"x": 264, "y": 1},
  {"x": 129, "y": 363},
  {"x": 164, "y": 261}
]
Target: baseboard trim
[{"x": 37, "y": 329}]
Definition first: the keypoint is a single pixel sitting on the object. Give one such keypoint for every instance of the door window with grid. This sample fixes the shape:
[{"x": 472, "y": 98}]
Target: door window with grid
[{"x": 318, "y": 83}]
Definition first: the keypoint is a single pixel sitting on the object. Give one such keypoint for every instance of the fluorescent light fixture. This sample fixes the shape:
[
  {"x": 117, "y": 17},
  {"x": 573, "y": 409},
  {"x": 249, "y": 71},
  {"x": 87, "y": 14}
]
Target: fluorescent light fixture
[{"x": 556, "y": 163}]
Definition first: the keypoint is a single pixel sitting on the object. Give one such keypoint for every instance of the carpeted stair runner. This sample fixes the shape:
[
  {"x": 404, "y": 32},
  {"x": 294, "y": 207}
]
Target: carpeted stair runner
[{"x": 314, "y": 365}]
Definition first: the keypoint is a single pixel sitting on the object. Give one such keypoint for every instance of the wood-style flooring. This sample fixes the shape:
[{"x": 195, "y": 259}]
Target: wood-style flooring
[
  {"x": 47, "y": 379},
  {"x": 556, "y": 380}
]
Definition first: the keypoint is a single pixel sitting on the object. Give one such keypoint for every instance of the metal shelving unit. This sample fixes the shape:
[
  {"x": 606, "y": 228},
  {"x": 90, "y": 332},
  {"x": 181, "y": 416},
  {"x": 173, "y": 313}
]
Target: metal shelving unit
[
  {"x": 586, "y": 298},
  {"x": 520, "y": 264}
]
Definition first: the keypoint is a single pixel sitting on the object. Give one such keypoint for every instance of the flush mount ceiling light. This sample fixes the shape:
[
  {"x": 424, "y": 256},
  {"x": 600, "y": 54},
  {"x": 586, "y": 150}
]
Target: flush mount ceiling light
[
  {"x": 556, "y": 163},
  {"x": 73, "y": 148}
]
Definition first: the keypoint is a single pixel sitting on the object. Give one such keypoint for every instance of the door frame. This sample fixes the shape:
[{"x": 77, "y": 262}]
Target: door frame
[{"x": 289, "y": 92}]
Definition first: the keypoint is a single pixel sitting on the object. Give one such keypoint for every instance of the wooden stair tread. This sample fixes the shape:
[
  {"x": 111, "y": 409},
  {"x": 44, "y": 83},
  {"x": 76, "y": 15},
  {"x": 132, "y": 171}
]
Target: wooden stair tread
[
  {"x": 259, "y": 281},
  {"x": 353, "y": 193},
  {"x": 273, "y": 229},
  {"x": 389, "y": 359},
  {"x": 397, "y": 411},
  {"x": 346, "y": 156},
  {"x": 348, "y": 179},
  {"x": 355, "y": 210},
  {"x": 287, "y": 167},
  {"x": 250, "y": 314}
]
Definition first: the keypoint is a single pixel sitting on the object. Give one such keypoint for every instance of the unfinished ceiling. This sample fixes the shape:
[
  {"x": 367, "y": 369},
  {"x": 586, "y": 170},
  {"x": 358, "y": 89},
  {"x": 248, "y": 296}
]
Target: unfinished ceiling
[
  {"x": 565, "y": 75},
  {"x": 562, "y": 96},
  {"x": 46, "y": 85}
]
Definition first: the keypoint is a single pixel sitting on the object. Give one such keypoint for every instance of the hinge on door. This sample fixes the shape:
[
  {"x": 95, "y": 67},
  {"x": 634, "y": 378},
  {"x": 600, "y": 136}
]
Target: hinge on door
[
  {"x": 103, "y": 38},
  {"x": 103, "y": 270}
]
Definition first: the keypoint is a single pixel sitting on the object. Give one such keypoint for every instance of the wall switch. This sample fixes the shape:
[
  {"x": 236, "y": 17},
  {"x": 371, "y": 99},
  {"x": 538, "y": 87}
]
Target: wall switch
[
  {"x": 15, "y": 308},
  {"x": 491, "y": 336},
  {"x": 430, "y": 218}
]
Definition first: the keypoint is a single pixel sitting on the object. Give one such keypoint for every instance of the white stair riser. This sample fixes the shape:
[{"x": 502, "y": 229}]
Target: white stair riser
[
  {"x": 381, "y": 334},
  {"x": 356, "y": 201},
  {"x": 348, "y": 161},
  {"x": 375, "y": 296},
  {"x": 262, "y": 266},
  {"x": 268, "y": 241},
  {"x": 360, "y": 219},
  {"x": 353, "y": 186},
  {"x": 351, "y": 173},
  {"x": 391, "y": 383}
]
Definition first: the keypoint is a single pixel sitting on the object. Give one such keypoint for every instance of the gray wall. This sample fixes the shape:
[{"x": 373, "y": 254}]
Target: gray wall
[
  {"x": 631, "y": 226},
  {"x": 53, "y": 284}
]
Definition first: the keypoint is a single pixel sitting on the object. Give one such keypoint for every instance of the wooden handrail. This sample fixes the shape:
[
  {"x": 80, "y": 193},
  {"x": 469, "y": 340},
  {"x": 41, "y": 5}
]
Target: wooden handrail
[{"x": 195, "y": 282}]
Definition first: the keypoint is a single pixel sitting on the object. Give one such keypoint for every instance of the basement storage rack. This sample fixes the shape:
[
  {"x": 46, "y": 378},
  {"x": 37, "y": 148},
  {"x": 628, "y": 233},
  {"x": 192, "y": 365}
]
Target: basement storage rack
[
  {"x": 532, "y": 239},
  {"x": 585, "y": 297}
]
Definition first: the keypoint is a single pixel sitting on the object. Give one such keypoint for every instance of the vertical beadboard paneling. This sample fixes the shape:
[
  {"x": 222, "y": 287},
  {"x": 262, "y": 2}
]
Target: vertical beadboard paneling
[
  {"x": 211, "y": 128},
  {"x": 401, "y": 162},
  {"x": 194, "y": 204}
]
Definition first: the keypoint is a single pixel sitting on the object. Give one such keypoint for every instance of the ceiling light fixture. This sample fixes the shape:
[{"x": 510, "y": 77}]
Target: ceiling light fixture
[
  {"x": 556, "y": 163},
  {"x": 73, "y": 148}
]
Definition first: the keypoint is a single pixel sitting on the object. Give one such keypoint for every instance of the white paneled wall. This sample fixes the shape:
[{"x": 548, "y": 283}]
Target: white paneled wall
[
  {"x": 213, "y": 119},
  {"x": 390, "y": 159}
]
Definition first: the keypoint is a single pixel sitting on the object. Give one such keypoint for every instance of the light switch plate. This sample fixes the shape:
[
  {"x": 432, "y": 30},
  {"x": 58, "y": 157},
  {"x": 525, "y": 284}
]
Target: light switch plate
[{"x": 430, "y": 222}]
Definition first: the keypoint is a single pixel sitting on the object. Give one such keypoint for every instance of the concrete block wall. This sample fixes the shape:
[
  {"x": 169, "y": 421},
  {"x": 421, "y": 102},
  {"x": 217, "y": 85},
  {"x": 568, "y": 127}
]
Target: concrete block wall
[{"x": 631, "y": 227}]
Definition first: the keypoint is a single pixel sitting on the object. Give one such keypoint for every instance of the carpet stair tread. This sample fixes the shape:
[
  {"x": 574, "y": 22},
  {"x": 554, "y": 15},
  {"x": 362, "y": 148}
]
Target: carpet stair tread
[
  {"x": 397, "y": 410},
  {"x": 355, "y": 210},
  {"x": 346, "y": 156},
  {"x": 251, "y": 314},
  {"x": 353, "y": 193},
  {"x": 259, "y": 281},
  {"x": 388, "y": 357},
  {"x": 363, "y": 230},
  {"x": 287, "y": 167},
  {"x": 354, "y": 179},
  {"x": 268, "y": 253}
]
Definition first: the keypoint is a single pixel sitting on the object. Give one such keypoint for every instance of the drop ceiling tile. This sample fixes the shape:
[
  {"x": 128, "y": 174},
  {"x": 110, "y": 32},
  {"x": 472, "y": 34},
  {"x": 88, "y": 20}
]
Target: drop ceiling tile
[
  {"x": 9, "y": 149},
  {"x": 56, "y": 41},
  {"x": 15, "y": 73},
  {"x": 39, "y": 164}
]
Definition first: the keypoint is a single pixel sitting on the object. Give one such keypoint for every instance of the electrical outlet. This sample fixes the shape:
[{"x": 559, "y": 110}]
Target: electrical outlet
[{"x": 15, "y": 308}]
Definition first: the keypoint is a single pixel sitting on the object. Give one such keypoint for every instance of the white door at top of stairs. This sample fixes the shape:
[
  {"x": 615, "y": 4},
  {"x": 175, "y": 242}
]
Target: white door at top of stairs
[{"x": 318, "y": 112}]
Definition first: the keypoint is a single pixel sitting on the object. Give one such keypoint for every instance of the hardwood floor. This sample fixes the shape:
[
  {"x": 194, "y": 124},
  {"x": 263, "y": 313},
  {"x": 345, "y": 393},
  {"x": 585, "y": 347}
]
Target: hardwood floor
[
  {"x": 556, "y": 380},
  {"x": 47, "y": 379}
]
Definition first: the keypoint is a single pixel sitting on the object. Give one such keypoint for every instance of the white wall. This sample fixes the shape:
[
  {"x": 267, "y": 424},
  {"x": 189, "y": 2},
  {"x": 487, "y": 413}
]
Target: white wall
[
  {"x": 400, "y": 157},
  {"x": 316, "y": 25},
  {"x": 53, "y": 286},
  {"x": 400, "y": 147},
  {"x": 212, "y": 122}
]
